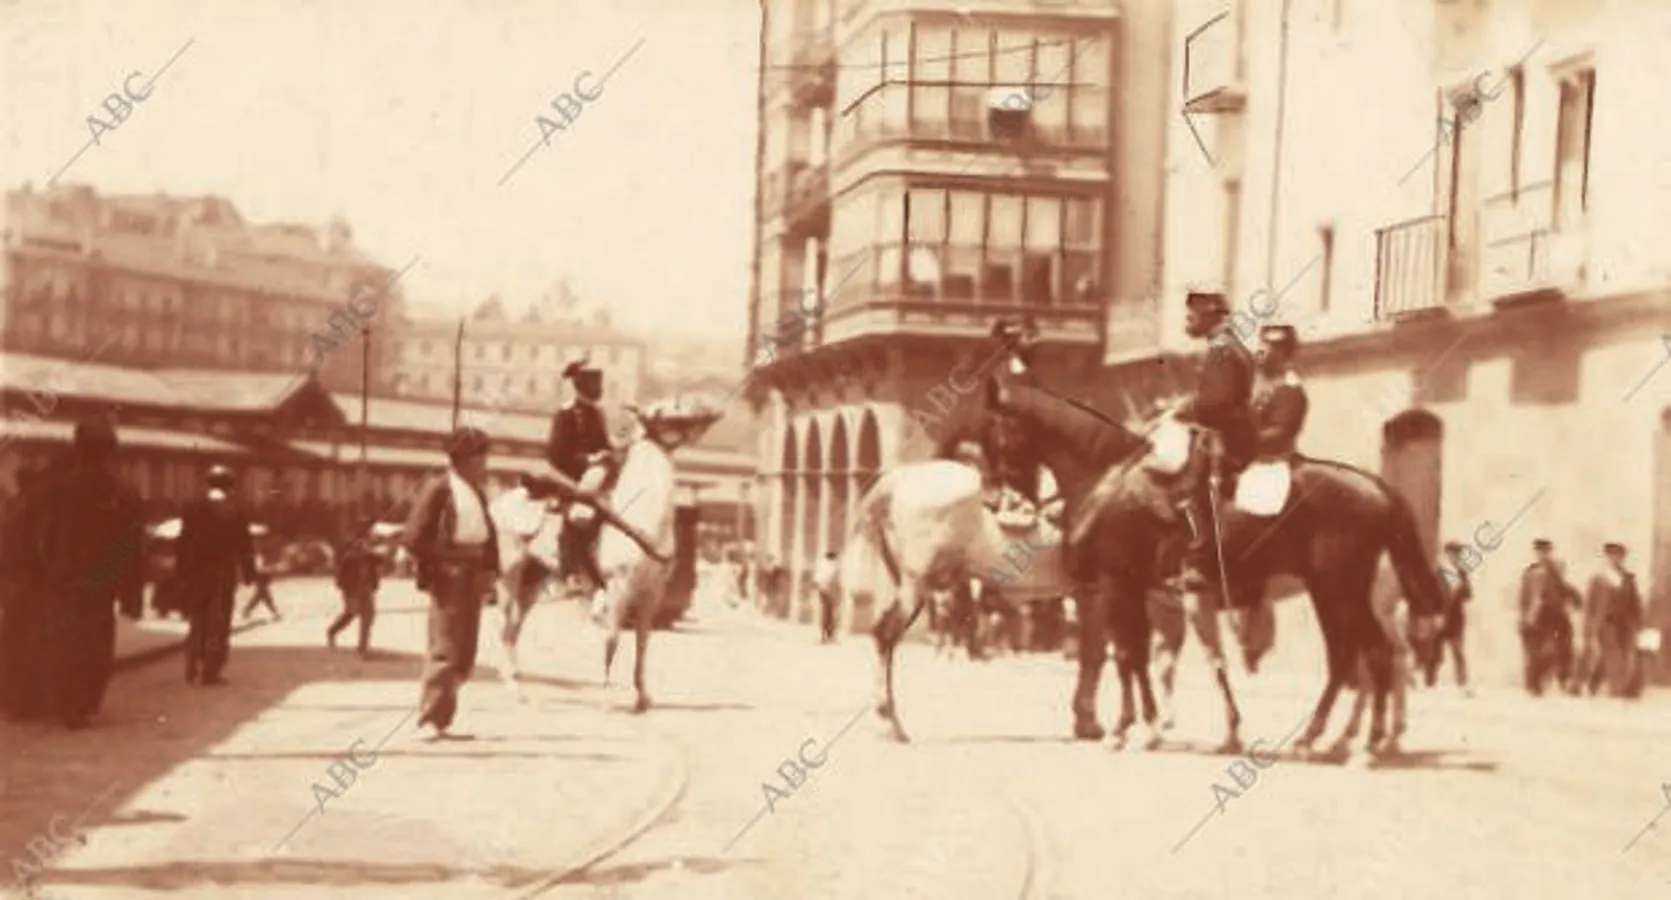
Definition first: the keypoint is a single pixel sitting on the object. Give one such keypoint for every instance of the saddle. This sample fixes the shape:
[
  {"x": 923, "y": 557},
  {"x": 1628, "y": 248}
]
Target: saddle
[
  {"x": 595, "y": 479},
  {"x": 1264, "y": 487}
]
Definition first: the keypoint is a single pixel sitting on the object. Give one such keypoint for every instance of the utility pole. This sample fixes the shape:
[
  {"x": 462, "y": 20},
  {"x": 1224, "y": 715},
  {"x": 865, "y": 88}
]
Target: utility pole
[
  {"x": 365, "y": 419},
  {"x": 458, "y": 372}
]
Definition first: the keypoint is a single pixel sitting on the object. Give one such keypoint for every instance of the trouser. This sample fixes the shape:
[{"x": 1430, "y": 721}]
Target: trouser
[
  {"x": 1453, "y": 638},
  {"x": 827, "y": 604},
  {"x": 263, "y": 597},
  {"x": 1547, "y": 643},
  {"x": 455, "y": 620},
  {"x": 82, "y": 651},
  {"x": 208, "y": 640},
  {"x": 1609, "y": 658},
  {"x": 1201, "y": 563},
  {"x": 359, "y": 604},
  {"x": 577, "y": 551}
]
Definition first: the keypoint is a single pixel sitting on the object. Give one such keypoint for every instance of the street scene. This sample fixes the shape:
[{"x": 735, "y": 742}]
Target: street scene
[{"x": 835, "y": 448}]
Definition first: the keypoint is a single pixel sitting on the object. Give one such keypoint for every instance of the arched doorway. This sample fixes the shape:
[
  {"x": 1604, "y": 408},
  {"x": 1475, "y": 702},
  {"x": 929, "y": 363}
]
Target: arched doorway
[
  {"x": 1412, "y": 455},
  {"x": 787, "y": 468},
  {"x": 839, "y": 489},
  {"x": 1658, "y": 583}
]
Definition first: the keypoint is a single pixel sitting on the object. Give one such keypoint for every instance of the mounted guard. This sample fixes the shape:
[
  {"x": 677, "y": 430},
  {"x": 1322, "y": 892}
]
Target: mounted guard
[
  {"x": 1018, "y": 474},
  {"x": 580, "y": 450}
]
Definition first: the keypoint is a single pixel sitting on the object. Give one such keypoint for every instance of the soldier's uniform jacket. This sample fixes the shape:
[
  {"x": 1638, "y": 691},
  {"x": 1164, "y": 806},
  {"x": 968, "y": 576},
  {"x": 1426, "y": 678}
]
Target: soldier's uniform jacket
[
  {"x": 578, "y": 430},
  {"x": 1279, "y": 411},
  {"x": 1224, "y": 394}
]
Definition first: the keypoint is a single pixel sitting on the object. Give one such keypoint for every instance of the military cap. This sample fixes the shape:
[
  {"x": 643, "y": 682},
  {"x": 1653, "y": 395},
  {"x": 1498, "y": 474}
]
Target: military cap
[
  {"x": 466, "y": 442},
  {"x": 580, "y": 367},
  {"x": 1279, "y": 335},
  {"x": 1543, "y": 544},
  {"x": 1204, "y": 302},
  {"x": 1613, "y": 548},
  {"x": 94, "y": 435}
]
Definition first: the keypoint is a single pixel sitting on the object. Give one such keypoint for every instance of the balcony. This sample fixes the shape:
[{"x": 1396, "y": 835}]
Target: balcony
[
  {"x": 1516, "y": 237},
  {"x": 777, "y": 187},
  {"x": 1409, "y": 261},
  {"x": 1212, "y": 67},
  {"x": 812, "y": 78}
]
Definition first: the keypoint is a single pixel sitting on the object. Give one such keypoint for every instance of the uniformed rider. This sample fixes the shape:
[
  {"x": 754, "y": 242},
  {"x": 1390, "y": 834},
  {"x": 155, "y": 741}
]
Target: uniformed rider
[
  {"x": 1015, "y": 463},
  {"x": 580, "y": 449},
  {"x": 1222, "y": 404},
  {"x": 1279, "y": 399}
]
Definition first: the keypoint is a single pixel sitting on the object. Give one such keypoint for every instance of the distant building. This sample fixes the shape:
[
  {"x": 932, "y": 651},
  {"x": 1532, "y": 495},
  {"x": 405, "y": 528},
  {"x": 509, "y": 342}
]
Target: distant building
[
  {"x": 513, "y": 362},
  {"x": 158, "y": 280}
]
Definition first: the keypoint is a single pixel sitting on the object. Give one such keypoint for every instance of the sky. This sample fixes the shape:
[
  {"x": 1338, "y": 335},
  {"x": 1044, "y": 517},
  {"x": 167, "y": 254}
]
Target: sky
[{"x": 404, "y": 117}]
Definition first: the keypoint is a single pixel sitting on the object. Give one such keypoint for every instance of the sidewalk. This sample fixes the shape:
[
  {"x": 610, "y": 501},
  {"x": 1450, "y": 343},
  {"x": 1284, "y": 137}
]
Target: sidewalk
[
  {"x": 148, "y": 640},
  {"x": 305, "y": 778}
]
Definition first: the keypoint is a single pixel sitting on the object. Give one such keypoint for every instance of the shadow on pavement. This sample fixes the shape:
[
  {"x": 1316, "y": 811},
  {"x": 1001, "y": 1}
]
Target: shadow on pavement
[
  {"x": 302, "y": 872},
  {"x": 151, "y": 723},
  {"x": 634, "y": 873}
]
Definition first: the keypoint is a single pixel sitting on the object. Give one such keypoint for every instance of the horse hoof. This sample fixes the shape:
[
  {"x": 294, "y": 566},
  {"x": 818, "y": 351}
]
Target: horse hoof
[
  {"x": 1230, "y": 746},
  {"x": 1358, "y": 761},
  {"x": 1088, "y": 731},
  {"x": 643, "y": 705}
]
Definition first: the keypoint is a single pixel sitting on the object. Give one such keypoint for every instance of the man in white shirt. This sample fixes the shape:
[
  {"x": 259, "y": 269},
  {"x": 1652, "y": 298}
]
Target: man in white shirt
[{"x": 826, "y": 579}]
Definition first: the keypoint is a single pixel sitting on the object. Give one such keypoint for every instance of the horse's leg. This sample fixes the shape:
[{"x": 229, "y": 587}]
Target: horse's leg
[
  {"x": 1130, "y": 623},
  {"x": 1202, "y": 611},
  {"x": 1167, "y": 647},
  {"x": 641, "y": 632},
  {"x": 1093, "y": 654},
  {"x": 611, "y": 642},
  {"x": 906, "y": 612},
  {"x": 1360, "y": 704},
  {"x": 1341, "y": 654}
]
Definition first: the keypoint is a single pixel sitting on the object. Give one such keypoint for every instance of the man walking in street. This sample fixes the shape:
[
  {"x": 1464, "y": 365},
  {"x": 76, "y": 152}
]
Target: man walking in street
[
  {"x": 263, "y": 595},
  {"x": 215, "y": 556},
  {"x": 359, "y": 574},
  {"x": 1612, "y": 617},
  {"x": 827, "y": 582},
  {"x": 457, "y": 550},
  {"x": 1546, "y": 601},
  {"x": 1459, "y": 590},
  {"x": 81, "y": 542}
]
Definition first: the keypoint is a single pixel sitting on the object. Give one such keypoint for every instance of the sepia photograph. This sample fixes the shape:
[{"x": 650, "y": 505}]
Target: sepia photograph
[{"x": 848, "y": 449}]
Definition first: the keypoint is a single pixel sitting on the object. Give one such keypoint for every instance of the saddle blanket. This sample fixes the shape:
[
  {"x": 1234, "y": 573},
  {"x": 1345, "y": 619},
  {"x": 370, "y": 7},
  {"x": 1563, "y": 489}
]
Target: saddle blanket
[{"x": 1263, "y": 488}]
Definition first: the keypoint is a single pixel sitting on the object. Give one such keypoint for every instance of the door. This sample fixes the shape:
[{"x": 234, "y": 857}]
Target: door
[{"x": 1411, "y": 461}]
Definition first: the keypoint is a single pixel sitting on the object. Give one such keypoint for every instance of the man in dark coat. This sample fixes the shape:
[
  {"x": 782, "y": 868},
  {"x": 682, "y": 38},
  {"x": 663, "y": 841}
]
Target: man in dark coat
[
  {"x": 83, "y": 537},
  {"x": 1279, "y": 399},
  {"x": 1459, "y": 591},
  {"x": 1221, "y": 403},
  {"x": 1615, "y": 606},
  {"x": 215, "y": 556},
  {"x": 579, "y": 449},
  {"x": 1546, "y": 602},
  {"x": 23, "y": 693}
]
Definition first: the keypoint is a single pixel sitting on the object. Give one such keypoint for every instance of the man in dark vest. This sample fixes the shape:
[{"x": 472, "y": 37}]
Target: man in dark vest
[
  {"x": 1222, "y": 404},
  {"x": 580, "y": 450},
  {"x": 1612, "y": 617},
  {"x": 216, "y": 555},
  {"x": 85, "y": 539},
  {"x": 1279, "y": 399},
  {"x": 1546, "y": 603}
]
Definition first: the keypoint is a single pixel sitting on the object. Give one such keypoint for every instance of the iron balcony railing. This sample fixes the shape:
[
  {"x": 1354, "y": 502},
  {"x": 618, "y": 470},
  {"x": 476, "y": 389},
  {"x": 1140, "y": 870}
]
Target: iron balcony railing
[
  {"x": 1409, "y": 262},
  {"x": 1515, "y": 228}
]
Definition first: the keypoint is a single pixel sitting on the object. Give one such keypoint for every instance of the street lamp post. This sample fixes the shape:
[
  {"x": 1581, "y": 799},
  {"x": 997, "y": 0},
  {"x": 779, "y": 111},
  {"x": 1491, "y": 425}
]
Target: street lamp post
[{"x": 361, "y": 505}]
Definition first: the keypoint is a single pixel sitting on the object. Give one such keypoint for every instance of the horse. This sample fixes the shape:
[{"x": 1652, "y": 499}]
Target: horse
[
  {"x": 528, "y": 522},
  {"x": 1330, "y": 531},
  {"x": 635, "y": 583}
]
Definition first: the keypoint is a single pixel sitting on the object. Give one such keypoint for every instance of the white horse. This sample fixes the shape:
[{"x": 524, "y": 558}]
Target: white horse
[
  {"x": 634, "y": 582},
  {"x": 528, "y": 526}
]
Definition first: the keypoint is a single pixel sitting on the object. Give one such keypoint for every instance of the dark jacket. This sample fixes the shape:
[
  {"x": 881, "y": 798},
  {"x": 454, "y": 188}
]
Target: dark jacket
[
  {"x": 1613, "y": 608},
  {"x": 359, "y": 568},
  {"x": 429, "y": 530},
  {"x": 1543, "y": 587},
  {"x": 215, "y": 543},
  {"x": 1224, "y": 395},
  {"x": 577, "y": 431},
  {"x": 84, "y": 528},
  {"x": 1279, "y": 411}
]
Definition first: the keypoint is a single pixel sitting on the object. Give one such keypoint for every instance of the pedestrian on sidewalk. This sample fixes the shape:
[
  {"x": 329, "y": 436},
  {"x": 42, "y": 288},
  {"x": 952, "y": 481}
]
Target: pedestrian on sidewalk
[
  {"x": 1546, "y": 603},
  {"x": 81, "y": 544},
  {"x": 827, "y": 581},
  {"x": 1615, "y": 604},
  {"x": 359, "y": 574},
  {"x": 1458, "y": 591},
  {"x": 215, "y": 556},
  {"x": 263, "y": 595},
  {"x": 22, "y": 694},
  {"x": 454, "y": 542}
]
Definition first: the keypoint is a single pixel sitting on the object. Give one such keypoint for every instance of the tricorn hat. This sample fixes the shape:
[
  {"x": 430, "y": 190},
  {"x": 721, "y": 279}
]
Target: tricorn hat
[
  {"x": 1205, "y": 302},
  {"x": 580, "y": 367},
  {"x": 466, "y": 442}
]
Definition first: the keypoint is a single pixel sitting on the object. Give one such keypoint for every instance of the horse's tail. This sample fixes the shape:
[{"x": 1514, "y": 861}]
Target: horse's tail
[
  {"x": 1418, "y": 578},
  {"x": 868, "y": 545}
]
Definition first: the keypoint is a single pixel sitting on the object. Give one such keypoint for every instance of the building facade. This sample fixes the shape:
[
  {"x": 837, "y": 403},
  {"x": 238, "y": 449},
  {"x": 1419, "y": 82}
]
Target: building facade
[
  {"x": 513, "y": 362},
  {"x": 183, "y": 281},
  {"x": 923, "y": 170},
  {"x": 1459, "y": 206}
]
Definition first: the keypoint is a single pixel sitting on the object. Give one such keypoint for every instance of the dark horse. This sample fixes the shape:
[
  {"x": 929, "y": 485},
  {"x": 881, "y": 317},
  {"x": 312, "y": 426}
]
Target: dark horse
[{"x": 1330, "y": 534}]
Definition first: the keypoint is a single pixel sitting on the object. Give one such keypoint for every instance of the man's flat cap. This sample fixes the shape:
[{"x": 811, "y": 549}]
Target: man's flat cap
[{"x": 580, "y": 367}]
